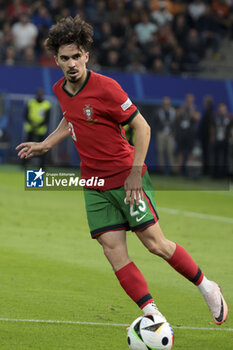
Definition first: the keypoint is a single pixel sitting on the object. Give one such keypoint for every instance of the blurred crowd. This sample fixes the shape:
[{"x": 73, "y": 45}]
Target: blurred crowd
[
  {"x": 190, "y": 142},
  {"x": 158, "y": 36}
]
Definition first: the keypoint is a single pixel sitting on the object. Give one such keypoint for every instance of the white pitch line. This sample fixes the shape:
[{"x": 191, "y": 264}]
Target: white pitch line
[
  {"x": 197, "y": 215},
  {"x": 64, "y": 322},
  {"x": 108, "y": 324}
]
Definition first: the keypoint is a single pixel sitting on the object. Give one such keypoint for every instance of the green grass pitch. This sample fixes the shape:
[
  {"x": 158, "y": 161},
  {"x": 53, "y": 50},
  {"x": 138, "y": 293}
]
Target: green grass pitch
[{"x": 50, "y": 269}]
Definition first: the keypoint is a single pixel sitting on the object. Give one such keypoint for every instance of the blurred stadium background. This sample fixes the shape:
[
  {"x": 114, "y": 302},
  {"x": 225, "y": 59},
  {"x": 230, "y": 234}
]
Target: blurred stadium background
[
  {"x": 153, "y": 49},
  {"x": 174, "y": 59}
]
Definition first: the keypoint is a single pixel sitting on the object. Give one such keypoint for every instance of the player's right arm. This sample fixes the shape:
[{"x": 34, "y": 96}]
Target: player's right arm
[{"x": 31, "y": 149}]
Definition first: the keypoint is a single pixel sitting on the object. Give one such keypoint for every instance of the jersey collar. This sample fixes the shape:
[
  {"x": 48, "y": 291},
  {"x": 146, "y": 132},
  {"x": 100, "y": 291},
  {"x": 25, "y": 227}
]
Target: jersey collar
[{"x": 81, "y": 88}]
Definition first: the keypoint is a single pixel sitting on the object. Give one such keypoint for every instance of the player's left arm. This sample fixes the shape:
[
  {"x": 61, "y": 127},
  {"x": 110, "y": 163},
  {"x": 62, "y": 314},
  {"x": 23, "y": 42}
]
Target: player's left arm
[{"x": 133, "y": 183}]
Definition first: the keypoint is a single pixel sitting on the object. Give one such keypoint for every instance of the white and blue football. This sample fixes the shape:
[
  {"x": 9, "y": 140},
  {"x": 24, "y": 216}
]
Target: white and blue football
[{"x": 150, "y": 332}]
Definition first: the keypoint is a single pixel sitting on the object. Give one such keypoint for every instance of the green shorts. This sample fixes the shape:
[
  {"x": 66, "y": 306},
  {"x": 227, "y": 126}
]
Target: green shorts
[{"x": 107, "y": 211}]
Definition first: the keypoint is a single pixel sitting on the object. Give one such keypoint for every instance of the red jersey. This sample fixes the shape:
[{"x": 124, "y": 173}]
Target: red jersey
[{"x": 96, "y": 115}]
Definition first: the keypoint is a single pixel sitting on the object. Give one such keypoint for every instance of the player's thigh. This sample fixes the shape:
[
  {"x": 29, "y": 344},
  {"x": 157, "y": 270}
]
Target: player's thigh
[{"x": 113, "y": 239}]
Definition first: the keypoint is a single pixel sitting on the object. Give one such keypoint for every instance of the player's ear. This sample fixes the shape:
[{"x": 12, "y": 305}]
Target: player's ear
[
  {"x": 56, "y": 60},
  {"x": 87, "y": 55}
]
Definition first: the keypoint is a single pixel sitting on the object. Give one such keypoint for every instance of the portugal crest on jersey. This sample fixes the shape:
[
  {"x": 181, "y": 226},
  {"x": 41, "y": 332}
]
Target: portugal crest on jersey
[{"x": 88, "y": 112}]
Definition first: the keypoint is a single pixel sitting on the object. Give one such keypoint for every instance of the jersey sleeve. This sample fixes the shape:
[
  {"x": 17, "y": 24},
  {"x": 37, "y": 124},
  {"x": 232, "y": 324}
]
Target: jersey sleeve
[{"x": 118, "y": 104}]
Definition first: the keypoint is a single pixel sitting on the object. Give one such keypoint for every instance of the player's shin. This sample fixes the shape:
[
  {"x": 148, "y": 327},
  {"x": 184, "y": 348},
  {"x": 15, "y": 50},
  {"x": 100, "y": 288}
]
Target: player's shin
[
  {"x": 135, "y": 285},
  {"x": 183, "y": 263}
]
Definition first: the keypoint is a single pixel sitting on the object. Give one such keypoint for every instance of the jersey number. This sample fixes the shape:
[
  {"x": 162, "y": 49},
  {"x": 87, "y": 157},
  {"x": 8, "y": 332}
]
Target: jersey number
[{"x": 71, "y": 130}]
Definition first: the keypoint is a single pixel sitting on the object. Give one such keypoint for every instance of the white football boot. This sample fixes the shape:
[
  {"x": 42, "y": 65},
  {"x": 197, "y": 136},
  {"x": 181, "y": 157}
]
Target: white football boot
[{"x": 216, "y": 303}]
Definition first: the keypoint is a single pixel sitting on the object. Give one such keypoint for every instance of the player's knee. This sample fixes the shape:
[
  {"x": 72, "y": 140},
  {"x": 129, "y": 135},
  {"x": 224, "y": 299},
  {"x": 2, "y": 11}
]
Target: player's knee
[
  {"x": 117, "y": 256},
  {"x": 108, "y": 251},
  {"x": 161, "y": 248},
  {"x": 111, "y": 251},
  {"x": 155, "y": 248}
]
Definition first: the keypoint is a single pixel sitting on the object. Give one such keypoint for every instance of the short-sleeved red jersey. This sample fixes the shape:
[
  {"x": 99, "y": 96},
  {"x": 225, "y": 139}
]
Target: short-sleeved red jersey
[{"x": 95, "y": 115}]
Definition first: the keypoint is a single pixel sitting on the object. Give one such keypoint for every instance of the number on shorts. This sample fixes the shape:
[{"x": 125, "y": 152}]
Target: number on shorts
[{"x": 141, "y": 206}]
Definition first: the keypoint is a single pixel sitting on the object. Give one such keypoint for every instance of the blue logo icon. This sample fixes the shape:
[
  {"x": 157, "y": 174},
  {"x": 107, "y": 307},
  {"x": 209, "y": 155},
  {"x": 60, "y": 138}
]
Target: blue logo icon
[{"x": 35, "y": 178}]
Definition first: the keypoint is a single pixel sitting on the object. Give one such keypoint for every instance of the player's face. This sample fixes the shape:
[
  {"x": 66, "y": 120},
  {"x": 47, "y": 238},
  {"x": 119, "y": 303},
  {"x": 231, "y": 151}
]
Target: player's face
[{"x": 72, "y": 61}]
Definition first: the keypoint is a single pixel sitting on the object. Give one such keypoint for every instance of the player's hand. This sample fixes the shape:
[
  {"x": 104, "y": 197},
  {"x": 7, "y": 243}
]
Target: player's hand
[
  {"x": 30, "y": 149},
  {"x": 133, "y": 187}
]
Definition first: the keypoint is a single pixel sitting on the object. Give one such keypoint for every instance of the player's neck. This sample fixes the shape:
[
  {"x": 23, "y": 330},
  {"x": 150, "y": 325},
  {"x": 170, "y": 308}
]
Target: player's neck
[{"x": 74, "y": 87}]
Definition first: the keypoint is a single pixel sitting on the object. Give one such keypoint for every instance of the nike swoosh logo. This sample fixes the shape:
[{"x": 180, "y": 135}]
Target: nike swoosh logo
[
  {"x": 220, "y": 317},
  {"x": 139, "y": 219}
]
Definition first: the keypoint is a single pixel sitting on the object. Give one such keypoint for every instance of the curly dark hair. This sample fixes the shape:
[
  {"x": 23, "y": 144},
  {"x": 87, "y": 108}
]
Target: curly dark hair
[{"x": 70, "y": 31}]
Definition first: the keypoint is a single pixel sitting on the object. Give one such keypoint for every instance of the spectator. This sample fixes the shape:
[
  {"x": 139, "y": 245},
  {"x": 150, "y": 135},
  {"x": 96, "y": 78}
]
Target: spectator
[
  {"x": 185, "y": 130},
  {"x": 220, "y": 8},
  {"x": 16, "y": 9},
  {"x": 221, "y": 11},
  {"x": 107, "y": 39},
  {"x": 122, "y": 28},
  {"x": 145, "y": 29},
  {"x": 112, "y": 60},
  {"x": 174, "y": 7},
  {"x": 176, "y": 61},
  {"x": 163, "y": 125},
  {"x": 7, "y": 34},
  {"x": 46, "y": 59},
  {"x": 43, "y": 22},
  {"x": 135, "y": 13},
  {"x": 167, "y": 40},
  {"x": 158, "y": 66},
  {"x": 230, "y": 148},
  {"x": 136, "y": 66},
  {"x": 208, "y": 29},
  {"x": 37, "y": 116},
  {"x": 112, "y": 44},
  {"x": 10, "y": 56},
  {"x": 117, "y": 14},
  {"x": 78, "y": 6},
  {"x": 161, "y": 16},
  {"x": 35, "y": 5},
  {"x": 58, "y": 8},
  {"x": 196, "y": 9},
  {"x": 28, "y": 57},
  {"x": 24, "y": 32},
  {"x": 64, "y": 12},
  {"x": 180, "y": 29},
  {"x": 42, "y": 19},
  {"x": 104, "y": 34},
  {"x": 204, "y": 132},
  {"x": 3, "y": 16},
  {"x": 130, "y": 51},
  {"x": 106, "y": 31},
  {"x": 154, "y": 52},
  {"x": 219, "y": 136},
  {"x": 2, "y": 47},
  {"x": 193, "y": 49},
  {"x": 101, "y": 14}
]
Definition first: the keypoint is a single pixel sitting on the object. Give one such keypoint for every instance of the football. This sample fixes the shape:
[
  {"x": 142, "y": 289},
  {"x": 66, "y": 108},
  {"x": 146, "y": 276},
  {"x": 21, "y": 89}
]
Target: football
[{"x": 150, "y": 332}]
